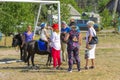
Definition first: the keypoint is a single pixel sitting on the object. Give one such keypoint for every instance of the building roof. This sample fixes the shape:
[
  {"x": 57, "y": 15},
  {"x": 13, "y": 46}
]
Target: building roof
[{"x": 73, "y": 11}]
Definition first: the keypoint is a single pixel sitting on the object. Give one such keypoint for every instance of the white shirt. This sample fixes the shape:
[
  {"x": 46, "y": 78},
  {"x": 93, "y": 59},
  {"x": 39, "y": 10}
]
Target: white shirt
[
  {"x": 43, "y": 35},
  {"x": 55, "y": 41},
  {"x": 90, "y": 31}
]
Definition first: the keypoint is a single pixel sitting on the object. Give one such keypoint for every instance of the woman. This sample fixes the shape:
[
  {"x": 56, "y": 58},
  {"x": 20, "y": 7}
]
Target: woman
[
  {"x": 74, "y": 41},
  {"x": 90, "y": 47},
  {"x": 56, "y": 46},
  {"x": 27, "y": 35}
]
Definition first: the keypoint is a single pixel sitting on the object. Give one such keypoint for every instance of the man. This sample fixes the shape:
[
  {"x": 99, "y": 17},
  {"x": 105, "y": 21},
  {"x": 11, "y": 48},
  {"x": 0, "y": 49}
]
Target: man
[{"x": 65, "y": 29}]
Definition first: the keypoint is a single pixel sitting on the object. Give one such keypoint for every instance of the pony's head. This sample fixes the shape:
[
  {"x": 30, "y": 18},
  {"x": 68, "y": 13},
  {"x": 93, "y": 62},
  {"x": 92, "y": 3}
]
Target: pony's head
[{"x": 17, "y": 40}]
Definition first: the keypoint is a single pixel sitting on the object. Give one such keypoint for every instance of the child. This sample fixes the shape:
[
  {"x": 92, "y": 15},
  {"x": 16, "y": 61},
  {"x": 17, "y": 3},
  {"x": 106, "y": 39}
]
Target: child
[
  {"x": 44, "y": 36},
  {"x": 56, "y": 46}
]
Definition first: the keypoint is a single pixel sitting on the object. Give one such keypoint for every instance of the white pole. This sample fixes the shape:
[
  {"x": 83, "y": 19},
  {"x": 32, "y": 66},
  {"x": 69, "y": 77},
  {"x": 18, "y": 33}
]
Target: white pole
[
  {"x": 59, "y": 23},
  {"x": 115, "y": 8},
  {"x": 37, "y": 18},
  {"x": 7, "y": 62},
  {"x": 59, "y": 20},
  {"x": 31, "y": 1}
]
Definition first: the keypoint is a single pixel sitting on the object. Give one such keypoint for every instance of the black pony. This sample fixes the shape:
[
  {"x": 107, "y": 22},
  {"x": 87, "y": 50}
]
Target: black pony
[
  {"x": 30, "y": 49},
  {"x": 17, "y": 41}
]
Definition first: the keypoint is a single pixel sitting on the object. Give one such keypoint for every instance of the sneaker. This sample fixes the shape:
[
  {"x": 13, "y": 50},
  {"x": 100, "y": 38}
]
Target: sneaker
[
  {"x": 79, "y": 70},
  {"x": 86, "y": 67},
  {"x": 69, "y": 70}
]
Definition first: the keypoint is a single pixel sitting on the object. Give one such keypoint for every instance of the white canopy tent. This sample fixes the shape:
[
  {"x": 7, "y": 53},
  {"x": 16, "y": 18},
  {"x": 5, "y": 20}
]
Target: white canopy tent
[{"x": 40, "y": 2}]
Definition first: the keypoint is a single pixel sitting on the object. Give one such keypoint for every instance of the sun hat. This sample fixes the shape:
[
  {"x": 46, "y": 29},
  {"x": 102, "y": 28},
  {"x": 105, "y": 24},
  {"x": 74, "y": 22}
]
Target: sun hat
[
  {"x": 55, "y": 26},
  {"x": 90, "y": 23}
]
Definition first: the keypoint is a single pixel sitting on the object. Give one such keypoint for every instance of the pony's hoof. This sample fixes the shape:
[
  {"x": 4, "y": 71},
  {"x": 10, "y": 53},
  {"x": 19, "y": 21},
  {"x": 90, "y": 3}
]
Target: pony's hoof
[{"x": 35, "y": 67}]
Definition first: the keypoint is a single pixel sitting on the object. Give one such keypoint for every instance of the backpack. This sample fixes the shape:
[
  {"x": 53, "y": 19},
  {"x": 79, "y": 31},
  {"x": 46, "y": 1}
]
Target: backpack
[
  {"x": 73, "y": 39},
  {"x": 74, "y": 36}
]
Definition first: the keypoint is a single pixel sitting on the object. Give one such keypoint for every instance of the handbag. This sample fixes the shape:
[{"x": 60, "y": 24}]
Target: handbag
[{"x": 94, "y": 39}]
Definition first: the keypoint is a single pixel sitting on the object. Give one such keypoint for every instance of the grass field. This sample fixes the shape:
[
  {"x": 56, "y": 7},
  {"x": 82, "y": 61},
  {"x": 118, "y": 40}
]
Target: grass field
[{"x": 107, "y": 63}]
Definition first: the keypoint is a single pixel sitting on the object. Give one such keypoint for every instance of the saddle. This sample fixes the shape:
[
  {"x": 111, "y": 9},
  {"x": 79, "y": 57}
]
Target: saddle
[{"x": 42, "y": 45}]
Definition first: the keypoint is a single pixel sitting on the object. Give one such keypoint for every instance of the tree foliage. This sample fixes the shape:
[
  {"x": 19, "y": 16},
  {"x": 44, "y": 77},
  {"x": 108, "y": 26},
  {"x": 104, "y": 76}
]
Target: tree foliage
[
  {"x": 65, "y": 14},
  {"x": 97, "y": 6},
  {"x": 13, "y": 14},
  {"x": 15, "y": 17},
  {"x": 106, "y": 19},
  {"x": 102, "y": 3}
]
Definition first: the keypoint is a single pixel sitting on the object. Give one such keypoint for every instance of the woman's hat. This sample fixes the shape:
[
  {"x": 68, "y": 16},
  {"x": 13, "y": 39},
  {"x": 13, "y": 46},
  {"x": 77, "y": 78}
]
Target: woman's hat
[
  {"x": 90, "y": 23},
  {"x": 42, "y": 25},
  {"x": 55, "y": 26}
]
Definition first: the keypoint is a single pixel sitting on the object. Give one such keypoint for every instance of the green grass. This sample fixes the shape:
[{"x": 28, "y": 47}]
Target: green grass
[{"x": 107, "y": 64}]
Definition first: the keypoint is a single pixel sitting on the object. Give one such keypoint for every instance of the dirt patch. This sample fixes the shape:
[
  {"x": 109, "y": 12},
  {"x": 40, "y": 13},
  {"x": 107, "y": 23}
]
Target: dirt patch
[
  {"x": 4, "y": 76},
  {"x": 9, "y": 52}
]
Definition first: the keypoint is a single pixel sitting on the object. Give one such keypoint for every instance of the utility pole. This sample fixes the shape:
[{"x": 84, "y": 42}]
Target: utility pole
[{"x": 115, "y": 8}]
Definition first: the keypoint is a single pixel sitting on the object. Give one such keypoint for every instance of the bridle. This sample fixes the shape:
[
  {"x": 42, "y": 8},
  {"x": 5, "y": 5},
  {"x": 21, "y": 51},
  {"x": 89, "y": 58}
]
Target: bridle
[{"x": 17, "y": 43}]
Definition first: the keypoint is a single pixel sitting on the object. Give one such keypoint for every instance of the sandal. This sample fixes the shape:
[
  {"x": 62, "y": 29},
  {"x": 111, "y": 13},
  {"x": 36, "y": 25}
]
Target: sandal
[
  {"x": 86, "y": 67},
  {"x": 91, "y": 67}
]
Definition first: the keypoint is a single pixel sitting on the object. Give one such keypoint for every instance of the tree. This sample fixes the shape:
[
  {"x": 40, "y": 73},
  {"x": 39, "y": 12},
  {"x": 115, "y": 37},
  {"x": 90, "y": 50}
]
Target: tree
[
  {"x": 101, "y": 4},
  {"x": 106, "y": 18},
  {"x": 65, "y": 14},
  {"x": 13, "y": 14}
]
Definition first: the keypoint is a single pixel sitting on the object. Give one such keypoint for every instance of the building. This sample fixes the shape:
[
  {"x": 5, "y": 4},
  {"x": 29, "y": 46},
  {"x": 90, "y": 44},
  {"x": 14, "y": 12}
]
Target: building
[{"x": 74, "y": 13}]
